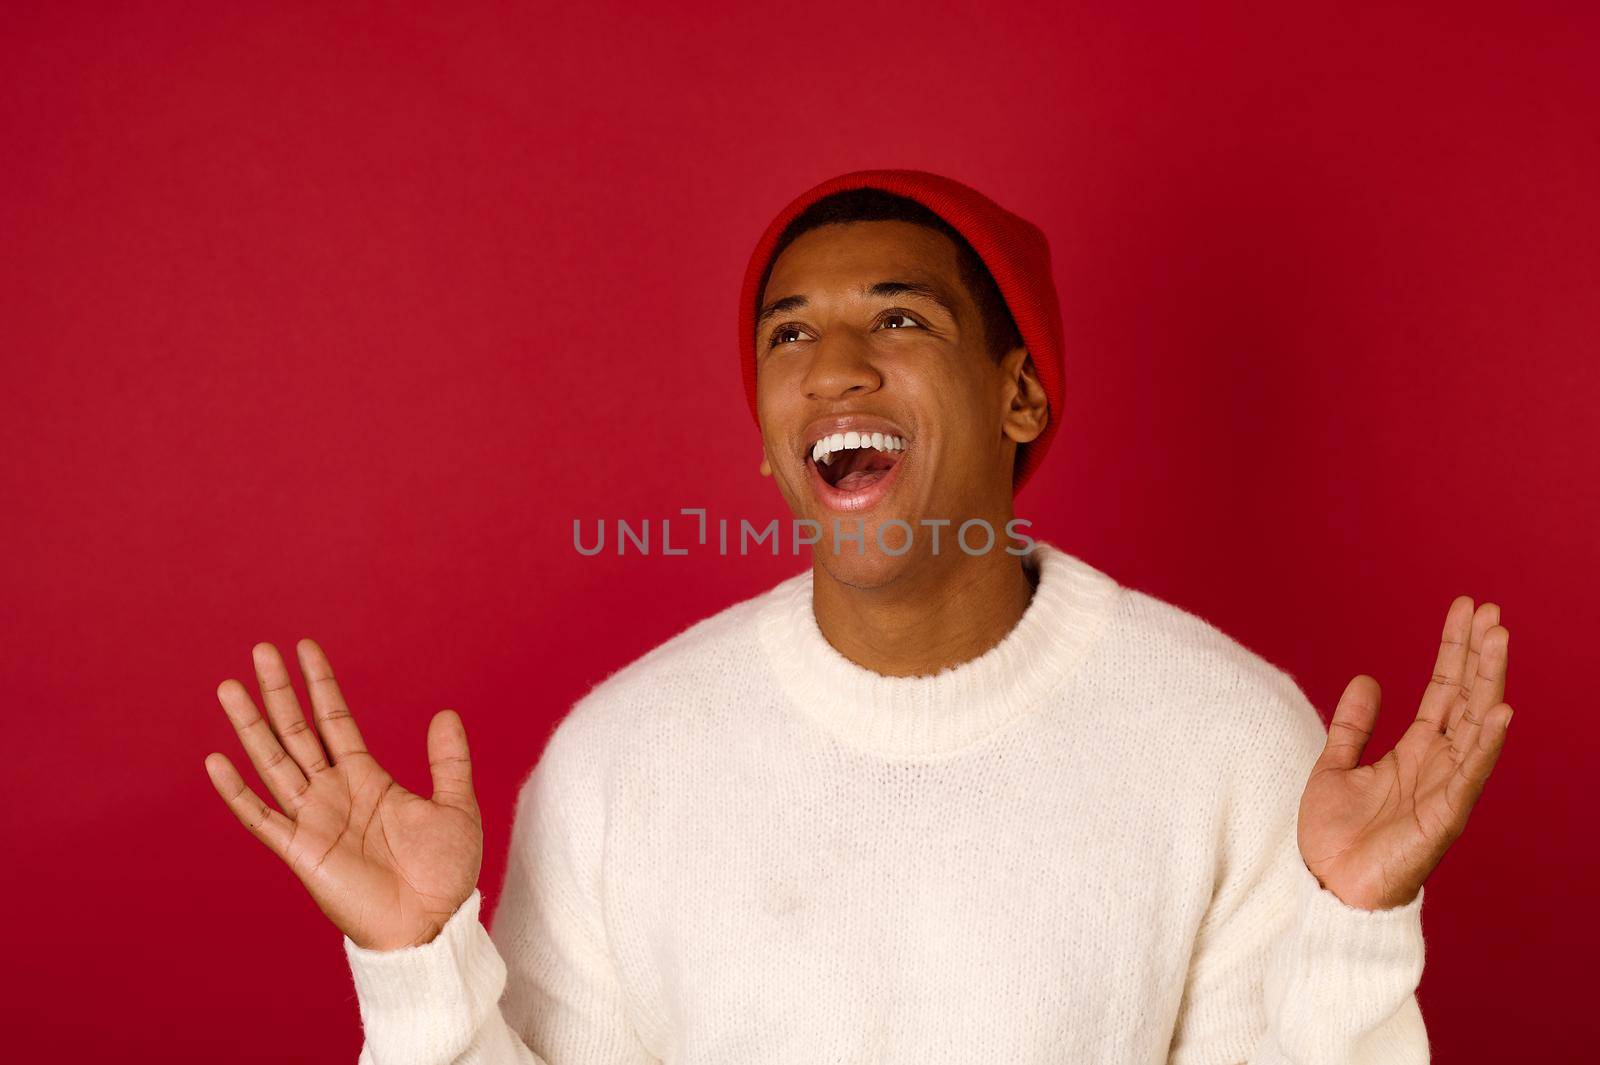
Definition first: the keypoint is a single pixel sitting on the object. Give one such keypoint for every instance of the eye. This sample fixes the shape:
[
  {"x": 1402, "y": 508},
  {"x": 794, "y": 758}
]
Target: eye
[
  {"x": 902, "y": 316},
  {"x": 783, "y": 330}
]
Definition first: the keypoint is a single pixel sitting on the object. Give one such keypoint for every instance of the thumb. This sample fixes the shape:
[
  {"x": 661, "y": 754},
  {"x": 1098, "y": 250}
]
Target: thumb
[
  {"x": 449, "y": 761},
  {"x": 1352, "y": 724}
]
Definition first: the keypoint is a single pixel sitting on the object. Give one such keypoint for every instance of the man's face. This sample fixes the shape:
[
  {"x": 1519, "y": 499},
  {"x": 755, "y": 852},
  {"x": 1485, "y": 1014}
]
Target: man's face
[{"x": 851, "y": 351}]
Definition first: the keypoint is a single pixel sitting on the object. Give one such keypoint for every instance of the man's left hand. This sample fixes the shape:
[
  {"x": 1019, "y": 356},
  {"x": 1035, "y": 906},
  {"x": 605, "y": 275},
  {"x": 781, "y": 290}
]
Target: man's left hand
[{"x": 1371, "y": 834}]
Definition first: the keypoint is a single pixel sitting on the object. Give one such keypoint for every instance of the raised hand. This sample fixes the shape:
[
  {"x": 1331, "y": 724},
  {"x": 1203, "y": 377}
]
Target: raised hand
[
  {"x": 1372, "y": 833},
  {"x": 387, "y": 866}
]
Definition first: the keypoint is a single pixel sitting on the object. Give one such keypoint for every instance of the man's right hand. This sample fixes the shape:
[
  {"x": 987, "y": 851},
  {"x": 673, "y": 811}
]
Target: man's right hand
[{"x": 387, "y": 866}]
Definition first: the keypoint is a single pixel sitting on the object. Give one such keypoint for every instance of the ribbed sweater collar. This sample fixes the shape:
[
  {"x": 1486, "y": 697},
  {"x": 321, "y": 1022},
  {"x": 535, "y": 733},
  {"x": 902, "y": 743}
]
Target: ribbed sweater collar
[{"x": 941, "y": 713}]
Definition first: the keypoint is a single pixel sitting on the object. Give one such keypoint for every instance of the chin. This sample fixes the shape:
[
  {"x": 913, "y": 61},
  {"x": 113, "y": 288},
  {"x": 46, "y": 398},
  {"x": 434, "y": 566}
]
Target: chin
[
  {"x": 869, "y": 570},
  {"x": 867, "y": 565}
]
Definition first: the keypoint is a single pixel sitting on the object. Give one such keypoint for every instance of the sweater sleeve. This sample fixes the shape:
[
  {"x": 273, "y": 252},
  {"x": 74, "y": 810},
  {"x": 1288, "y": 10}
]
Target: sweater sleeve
[
  {"x": 436, "y": 1003},
  {"x": 541, "y": 988},
  {"x": 1283, "y": 971}
]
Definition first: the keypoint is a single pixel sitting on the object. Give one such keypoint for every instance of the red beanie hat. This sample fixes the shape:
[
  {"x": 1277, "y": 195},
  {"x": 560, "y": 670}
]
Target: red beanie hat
[{"x": 1014, "y": 249}]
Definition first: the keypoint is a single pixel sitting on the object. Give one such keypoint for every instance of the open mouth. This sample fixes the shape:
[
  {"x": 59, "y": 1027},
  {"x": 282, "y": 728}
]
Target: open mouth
[{"x": 854, "y": 462}]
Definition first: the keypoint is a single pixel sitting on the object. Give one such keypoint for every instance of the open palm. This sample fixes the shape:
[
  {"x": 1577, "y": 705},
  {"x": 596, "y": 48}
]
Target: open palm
[
  {"x": 387, "y": 866},
  {"x": 1372, "y": 833}
]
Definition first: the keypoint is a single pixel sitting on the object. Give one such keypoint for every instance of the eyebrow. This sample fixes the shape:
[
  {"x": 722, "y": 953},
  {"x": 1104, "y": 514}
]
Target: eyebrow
[{"x": 879, "y": 290}]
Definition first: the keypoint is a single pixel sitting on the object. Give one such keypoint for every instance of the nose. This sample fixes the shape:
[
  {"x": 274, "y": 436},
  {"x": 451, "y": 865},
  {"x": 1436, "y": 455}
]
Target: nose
[{"x": 840, "y": 367}]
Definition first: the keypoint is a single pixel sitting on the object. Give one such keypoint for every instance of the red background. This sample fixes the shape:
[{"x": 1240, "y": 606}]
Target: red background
[{"x": 330, "y": 322}]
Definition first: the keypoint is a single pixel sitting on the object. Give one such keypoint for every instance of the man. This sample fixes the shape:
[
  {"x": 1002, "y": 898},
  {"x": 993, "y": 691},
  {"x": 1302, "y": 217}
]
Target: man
[{"x": 925, "y": 802}]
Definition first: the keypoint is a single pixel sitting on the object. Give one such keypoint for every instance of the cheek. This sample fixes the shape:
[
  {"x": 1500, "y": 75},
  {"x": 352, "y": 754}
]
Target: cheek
[
  {"x": 922, "y": 372},
  {"x": 949, "y": 396},
  {"x": 772, "y": 395},
  {"x": 779, "y": 410},
  {"x": 777, "y": 379}
]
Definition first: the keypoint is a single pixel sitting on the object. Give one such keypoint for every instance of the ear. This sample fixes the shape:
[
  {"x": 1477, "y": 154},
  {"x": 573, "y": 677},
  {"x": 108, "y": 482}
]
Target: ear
[
  {"x": 1027, "y": 409},
  {"x": 766, "y": 466}
]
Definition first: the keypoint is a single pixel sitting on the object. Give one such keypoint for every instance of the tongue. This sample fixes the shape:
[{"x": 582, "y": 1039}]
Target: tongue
[
  {"x": 861, "y": 468},
  {"x": 856, "y": 480}
]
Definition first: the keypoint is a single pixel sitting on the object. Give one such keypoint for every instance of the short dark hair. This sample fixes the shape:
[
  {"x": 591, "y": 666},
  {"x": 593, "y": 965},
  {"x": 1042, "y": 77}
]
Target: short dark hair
[{"x": 878, "y": 205}]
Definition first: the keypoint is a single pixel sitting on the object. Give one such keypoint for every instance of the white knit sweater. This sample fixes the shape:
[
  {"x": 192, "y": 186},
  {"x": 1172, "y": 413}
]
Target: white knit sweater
[{"x": 1078, "y": 847}]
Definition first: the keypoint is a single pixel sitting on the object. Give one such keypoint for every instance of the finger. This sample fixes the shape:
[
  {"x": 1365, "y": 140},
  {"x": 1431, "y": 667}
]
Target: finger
[
  {"x": 278, "y": 771},
  {"x": 449, "y": 761},
  {"x": 1472, "y": 773},
  {"x": 1351, "y": 727},
  {"x": 1449, "y": 666},
  {"x": 1488, "y": 690},
  {"x": 340, "y": 735},
  {"x": 264, "y": 823},
  {"x": 1483, "y": 619},
  {"x": 284, "y": 713}
]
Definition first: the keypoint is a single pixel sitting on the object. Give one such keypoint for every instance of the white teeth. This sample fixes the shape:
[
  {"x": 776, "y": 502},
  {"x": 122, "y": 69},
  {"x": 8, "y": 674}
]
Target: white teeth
[{"x": 823, "y": 450}]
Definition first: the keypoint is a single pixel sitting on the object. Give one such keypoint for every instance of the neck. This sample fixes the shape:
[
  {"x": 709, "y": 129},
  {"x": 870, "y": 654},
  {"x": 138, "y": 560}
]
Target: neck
[
  {"x": 919, "y": 713},
  {"x": 946, "y": 610}
]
